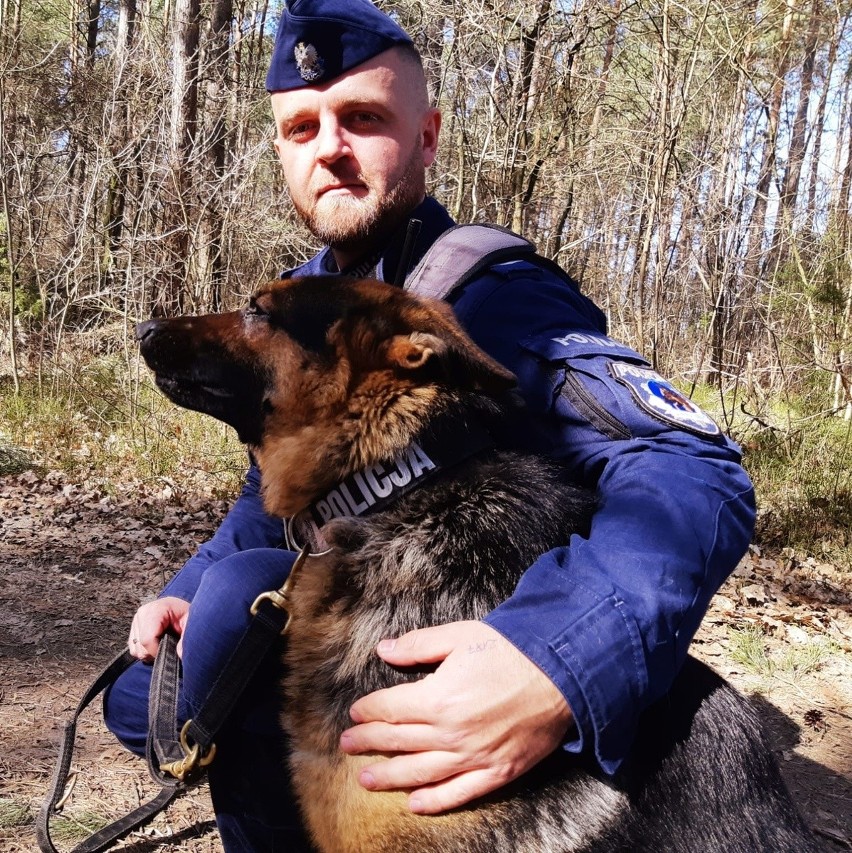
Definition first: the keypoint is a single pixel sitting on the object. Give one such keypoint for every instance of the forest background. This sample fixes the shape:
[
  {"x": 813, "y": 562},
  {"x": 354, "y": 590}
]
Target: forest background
[{"x": 690, "y": 162}]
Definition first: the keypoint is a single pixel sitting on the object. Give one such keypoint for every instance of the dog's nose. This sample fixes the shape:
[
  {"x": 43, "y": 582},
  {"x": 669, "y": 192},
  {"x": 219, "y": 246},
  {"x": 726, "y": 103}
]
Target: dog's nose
[{"x": 145, "y": 329}]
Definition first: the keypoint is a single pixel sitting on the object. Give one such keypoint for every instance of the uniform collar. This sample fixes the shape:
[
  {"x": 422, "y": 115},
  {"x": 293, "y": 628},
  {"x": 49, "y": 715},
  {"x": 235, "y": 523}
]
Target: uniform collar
[{"x": 435, "y": 220}]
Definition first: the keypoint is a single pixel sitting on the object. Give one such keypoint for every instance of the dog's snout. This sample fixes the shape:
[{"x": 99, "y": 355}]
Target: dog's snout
[{"x": 145, "y": 329}]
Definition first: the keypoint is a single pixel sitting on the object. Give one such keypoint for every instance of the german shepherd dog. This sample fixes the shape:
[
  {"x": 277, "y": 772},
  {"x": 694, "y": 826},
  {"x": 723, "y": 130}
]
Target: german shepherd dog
[{"x": 333, "y": 382}]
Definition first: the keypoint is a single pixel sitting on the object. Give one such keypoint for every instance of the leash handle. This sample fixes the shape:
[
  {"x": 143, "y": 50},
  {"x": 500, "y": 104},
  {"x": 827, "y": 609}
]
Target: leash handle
[
  {"x": 57, "y": 795},
  {"x": 164, "y": 745}
]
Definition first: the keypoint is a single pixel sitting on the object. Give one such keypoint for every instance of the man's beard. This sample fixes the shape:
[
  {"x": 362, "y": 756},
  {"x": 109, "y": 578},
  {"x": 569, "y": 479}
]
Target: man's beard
[{"x": 358, "y": 225}]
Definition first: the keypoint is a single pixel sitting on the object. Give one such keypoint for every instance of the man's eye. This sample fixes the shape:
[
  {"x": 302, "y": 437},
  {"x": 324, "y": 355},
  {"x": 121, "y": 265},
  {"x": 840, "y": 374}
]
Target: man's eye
[
  {"x": 365, "y": 119},
  {"x": 299, "y": 131}
]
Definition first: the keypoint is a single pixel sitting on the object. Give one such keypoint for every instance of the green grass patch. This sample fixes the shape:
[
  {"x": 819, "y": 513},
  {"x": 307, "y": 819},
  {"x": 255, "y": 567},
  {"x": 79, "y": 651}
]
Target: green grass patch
[
  {"x": 806, "y": 658},
  {"x": 748, "y": 647},
  {"x": 13, "y": 460},
  {"x": 104, "y": 420},
  {"x": 14, "y": 813},
  {"x": 71, "y": 827}
]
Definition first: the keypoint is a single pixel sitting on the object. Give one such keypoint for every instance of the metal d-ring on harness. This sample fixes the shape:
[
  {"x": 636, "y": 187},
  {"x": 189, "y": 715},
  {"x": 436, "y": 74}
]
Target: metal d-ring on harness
[
  {"x": 280, "y": 597},
  {"x": 175, "y": 761}
]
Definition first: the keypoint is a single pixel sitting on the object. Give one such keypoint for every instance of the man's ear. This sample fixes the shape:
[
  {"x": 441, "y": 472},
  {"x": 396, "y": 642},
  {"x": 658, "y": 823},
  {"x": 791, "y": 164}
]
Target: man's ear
[{"x": 430, "y": 131}]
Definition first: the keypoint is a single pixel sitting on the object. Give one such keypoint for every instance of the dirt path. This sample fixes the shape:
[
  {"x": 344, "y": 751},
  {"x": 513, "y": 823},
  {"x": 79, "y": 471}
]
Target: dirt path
[{"x": 75, "y": 564}]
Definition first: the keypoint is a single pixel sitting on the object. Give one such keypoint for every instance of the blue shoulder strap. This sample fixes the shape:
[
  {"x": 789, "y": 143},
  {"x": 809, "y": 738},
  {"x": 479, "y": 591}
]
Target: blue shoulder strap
[{"x": 462, "y": 252}]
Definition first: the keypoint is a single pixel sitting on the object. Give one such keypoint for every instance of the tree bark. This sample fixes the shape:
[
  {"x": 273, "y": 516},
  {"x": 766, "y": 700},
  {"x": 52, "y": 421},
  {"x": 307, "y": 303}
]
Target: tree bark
[
  {"x": 5, "y": 173},
  {"x": 755, "y": 264},
  {"x": 170, "y": 295},
  {"x": 789, "y": 191},
  {"x": 216, "y": 104}
]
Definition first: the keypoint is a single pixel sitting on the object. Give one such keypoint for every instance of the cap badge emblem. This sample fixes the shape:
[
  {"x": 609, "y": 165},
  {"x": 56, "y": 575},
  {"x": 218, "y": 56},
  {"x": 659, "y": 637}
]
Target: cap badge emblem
[{"x": 309, "y": 62}]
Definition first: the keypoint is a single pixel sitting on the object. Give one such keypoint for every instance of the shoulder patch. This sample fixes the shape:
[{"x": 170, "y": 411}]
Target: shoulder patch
[
  {"x": 660, "y": 399},
  {"x": 579, "y": 344}
]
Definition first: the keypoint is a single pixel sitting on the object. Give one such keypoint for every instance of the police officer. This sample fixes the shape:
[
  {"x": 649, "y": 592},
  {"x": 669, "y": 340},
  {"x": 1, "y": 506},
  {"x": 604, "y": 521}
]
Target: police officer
[{"x": 596, "y": 630}]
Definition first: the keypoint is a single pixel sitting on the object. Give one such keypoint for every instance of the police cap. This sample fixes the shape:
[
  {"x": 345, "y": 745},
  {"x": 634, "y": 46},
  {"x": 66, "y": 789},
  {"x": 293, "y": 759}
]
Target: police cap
[{"x": 319, "y": 40}]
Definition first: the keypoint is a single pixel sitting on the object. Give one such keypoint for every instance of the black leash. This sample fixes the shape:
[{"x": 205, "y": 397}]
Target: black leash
[
  {"x": 57, "y": 794},
  {"x": 176, "y": 761}
]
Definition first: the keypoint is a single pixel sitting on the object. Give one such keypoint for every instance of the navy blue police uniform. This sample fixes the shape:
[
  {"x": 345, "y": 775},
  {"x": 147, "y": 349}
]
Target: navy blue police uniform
[{"x": 608, "y": 618}]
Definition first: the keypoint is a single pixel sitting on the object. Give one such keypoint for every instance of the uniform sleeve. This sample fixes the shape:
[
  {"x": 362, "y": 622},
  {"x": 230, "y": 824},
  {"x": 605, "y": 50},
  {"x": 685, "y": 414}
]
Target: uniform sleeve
[
  {"x": 609, "y": 618},
  {"x": 247, "y": 525}
]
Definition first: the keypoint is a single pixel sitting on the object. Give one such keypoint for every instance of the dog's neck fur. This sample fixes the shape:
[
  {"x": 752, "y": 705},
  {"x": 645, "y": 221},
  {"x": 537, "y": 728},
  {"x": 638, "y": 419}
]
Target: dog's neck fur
[{"x": 309, "y": 462}]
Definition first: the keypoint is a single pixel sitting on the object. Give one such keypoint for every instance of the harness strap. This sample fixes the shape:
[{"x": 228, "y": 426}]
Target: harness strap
[
  {"x": 463, "y": 251},
  {"x": 447, "y": 441},
  {"x": 460, "y": 253}
]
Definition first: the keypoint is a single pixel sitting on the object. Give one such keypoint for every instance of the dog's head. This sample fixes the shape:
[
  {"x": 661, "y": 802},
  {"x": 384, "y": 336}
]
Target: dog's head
[{"x": 320, "y": 376}]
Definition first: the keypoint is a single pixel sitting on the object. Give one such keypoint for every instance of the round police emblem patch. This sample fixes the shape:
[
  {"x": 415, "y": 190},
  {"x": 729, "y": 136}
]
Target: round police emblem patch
[
  {"x": 661, "y": 399},
  {"x": 309, "y": 62}
]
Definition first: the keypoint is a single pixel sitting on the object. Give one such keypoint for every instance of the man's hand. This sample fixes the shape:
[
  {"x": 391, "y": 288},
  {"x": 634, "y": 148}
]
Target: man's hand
[
  {"x": 151, "y": 621},
  {"x": 484, "y": 717}
]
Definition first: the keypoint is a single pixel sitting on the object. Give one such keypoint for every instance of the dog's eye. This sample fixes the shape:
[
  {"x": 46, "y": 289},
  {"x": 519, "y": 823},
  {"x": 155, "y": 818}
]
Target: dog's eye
[{"x": 255, "y": 309}]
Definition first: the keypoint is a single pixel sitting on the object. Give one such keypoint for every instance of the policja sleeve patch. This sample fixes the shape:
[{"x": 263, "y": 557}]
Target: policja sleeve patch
[{"x": 661, "y": 399}]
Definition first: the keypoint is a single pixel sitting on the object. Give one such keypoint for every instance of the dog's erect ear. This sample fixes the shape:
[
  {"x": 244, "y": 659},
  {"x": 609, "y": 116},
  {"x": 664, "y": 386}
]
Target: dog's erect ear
[
  {"x": 465, "y": 364},
  {"x": 458, "y": 360},
  {"x": 411, "y": 352}
]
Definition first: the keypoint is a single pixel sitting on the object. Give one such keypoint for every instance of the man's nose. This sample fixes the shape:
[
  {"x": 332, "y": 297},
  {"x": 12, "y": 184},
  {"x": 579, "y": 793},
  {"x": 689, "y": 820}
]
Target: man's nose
[{"x": 331, "y": 142}]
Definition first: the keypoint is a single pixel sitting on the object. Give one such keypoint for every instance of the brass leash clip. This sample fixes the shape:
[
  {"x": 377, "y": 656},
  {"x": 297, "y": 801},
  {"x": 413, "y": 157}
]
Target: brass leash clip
[
  {"x": 279, "y": 597},
  {"x": 192, "y": 759}
]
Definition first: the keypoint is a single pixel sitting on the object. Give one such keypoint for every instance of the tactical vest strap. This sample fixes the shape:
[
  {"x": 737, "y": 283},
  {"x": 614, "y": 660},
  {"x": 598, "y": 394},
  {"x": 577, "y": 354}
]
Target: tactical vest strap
[{"x": 462, "y": 252}]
